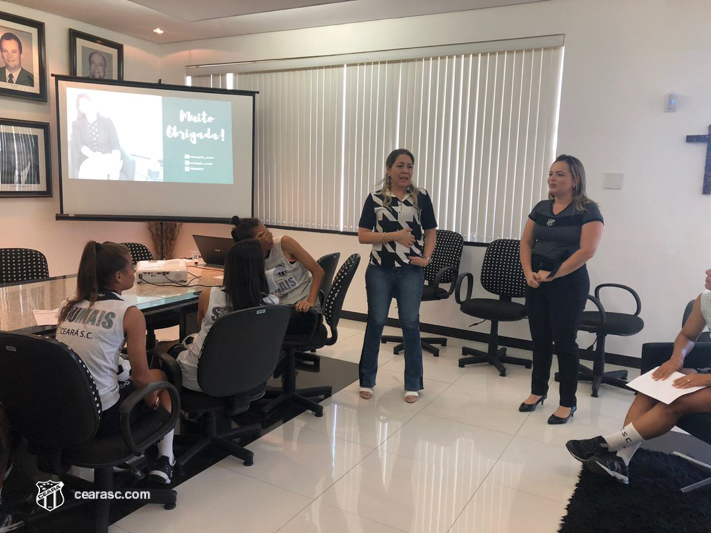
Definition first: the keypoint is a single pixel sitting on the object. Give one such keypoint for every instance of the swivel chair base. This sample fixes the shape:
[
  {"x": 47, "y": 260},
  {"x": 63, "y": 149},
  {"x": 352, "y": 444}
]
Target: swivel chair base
[
  {"x": 496, "y": 359},
  {"x": 291, "y": 394},
  {"x": 426, "y": 343},
  {"x": 224, "y": 441},
  {"x": 703, "y": 466},
  {"x": 616, "y": 378}
]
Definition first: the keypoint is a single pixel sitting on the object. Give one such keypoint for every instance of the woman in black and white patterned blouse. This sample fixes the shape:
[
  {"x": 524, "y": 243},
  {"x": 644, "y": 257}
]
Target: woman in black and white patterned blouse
[{"x": 399, "y": 222}]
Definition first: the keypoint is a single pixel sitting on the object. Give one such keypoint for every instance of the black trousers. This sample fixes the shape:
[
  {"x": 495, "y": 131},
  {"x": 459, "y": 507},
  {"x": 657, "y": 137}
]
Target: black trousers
[{"x": 554, "y": 312}]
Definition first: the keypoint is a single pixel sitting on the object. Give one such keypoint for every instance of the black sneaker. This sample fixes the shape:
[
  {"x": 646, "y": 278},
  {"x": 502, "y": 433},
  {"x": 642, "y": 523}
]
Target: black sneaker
[
  {"x": 583, "y": 450},
  {"x": 9, "y": 522},
  {"x": 162, "y": 471},
  {"x": 609, "y": 465}
]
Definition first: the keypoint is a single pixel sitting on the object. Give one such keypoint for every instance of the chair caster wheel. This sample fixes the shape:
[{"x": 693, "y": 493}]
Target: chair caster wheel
[
  {"x": 249, "y": 462},
  {"x": 383, "y": 342},
  {"x": 529, "y": 365},
  {"x": 436, "y": 354},
  {"x": 319, "y": 414},
  {"x": 461, "y": 365},
  {"x": 502, "y": 374},
  {"x": 444, "y": 343},
  {"x": 169, "y": 506},
  {"x": 595, "y": 394}
]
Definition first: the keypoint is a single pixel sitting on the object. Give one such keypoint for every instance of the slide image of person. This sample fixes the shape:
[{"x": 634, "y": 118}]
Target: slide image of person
[
  {"x": 97, "y": 65},
  {"x": 95, "y": 149},
  {"x": 19, "y": 159},
  {"x": 12, "y": 72}
]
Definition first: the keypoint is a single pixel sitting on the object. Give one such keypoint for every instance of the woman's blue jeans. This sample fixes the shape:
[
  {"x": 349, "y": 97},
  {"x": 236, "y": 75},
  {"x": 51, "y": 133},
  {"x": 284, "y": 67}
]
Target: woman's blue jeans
[{"x": 382, "y": 283}]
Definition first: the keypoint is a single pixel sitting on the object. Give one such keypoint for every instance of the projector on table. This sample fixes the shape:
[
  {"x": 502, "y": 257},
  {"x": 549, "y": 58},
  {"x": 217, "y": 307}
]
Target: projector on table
[{"x": 160, "y": 272}]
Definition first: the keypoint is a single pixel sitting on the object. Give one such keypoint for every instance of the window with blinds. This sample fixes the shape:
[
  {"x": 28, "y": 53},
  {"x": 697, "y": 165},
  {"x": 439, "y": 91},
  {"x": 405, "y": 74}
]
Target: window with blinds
[{"x": 482, "y": 127}]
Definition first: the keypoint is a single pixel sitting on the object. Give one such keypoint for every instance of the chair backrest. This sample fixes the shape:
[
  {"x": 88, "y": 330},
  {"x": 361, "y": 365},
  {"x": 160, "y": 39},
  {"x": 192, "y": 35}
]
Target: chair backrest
[
  {"x": 47, "y": 391},
  {"x": 22, "y": 264},
  {"x": 447, "y": 253},
  {"x": 501, "y": 272},
  {"x": 329, "y": 263},
  {"x": 337, "y": 294},
  {"x": 705, "y": 336},
  {"x": 242, "y": 350},
  {"x": 139, "y": 252}
]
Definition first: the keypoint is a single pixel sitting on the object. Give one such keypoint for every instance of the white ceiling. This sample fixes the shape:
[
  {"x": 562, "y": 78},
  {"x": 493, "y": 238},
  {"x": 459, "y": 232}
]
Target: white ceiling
[{"x": 187, "y": 20}]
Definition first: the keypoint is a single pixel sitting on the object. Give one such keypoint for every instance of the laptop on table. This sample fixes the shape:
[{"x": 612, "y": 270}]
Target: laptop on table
[{"x": 213, "y": 249}]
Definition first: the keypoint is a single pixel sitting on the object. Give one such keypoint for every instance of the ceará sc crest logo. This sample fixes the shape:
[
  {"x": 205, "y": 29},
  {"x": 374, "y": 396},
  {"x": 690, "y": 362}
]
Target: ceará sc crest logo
[{"x": 49, "y": 494}]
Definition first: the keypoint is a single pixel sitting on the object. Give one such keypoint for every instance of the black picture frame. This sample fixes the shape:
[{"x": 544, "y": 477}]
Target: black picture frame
[
  {"x": 25, "y": 159},
  {"x": 25, "y": 47},
  {"x": 95, "y": 57}
]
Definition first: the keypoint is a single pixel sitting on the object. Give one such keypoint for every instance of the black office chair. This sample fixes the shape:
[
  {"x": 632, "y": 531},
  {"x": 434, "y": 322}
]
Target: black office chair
[
  {"x": 501, "y": 274},
  {"x": 443, "y": 268},
  {"x": 165, "y": 319},
  {"x": 22, "y": 264},
  {"x": 328, "y": 263},
  {"x": 697, "y": 424},
  {"x": 139, "y": 252},
  {"x": 239, "y": 354},
  {"x": 56, "y": 408},
  {"x": 316, "y": 338},
  {"x": 603, "y": 323}
]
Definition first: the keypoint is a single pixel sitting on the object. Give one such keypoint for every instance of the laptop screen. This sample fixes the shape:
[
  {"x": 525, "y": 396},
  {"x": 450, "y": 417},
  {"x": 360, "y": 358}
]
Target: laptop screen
[{"x": 213, "y": 249}]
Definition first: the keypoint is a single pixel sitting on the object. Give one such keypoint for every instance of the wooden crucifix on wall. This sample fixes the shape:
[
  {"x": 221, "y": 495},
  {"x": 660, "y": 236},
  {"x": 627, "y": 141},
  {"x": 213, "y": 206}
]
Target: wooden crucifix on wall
[{"x": 707, "y": 172}]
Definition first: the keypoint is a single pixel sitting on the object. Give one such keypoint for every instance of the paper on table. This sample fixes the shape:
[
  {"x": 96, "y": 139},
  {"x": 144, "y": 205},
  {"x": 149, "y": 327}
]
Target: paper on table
[
  {"x": 46, "y": 318},
  {"x": 664, "y": 391}
]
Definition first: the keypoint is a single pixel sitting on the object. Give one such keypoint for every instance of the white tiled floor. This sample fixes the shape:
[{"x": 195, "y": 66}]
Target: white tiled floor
[{"x": 461, "y": 459}]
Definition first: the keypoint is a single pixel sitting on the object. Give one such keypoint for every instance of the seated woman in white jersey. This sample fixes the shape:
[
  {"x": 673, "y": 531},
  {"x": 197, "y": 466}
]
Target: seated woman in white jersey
[
  {"x": 96, "y": 323},
  {"x": 648, "y": 418},
  {"x": 245, "y": 286},
  {"x": 298, "y": 276}
]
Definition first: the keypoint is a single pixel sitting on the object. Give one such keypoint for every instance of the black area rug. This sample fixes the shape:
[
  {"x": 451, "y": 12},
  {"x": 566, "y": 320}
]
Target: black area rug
[{"x": 652, "y": 502}]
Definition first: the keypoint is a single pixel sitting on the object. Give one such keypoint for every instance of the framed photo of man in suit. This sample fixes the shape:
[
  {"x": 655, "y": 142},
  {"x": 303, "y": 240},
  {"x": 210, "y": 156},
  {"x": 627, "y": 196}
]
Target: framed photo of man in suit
[
  {"x": 22, "y": 58},
  {"x": 95, "y": 57},
  {"x": 25, "y": 163}
]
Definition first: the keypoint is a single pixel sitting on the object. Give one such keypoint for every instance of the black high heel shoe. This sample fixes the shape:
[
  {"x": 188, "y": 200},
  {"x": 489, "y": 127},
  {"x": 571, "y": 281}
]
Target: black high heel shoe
[
  {"x": 558, "y": 420},
  {"x": 529, "y": 407}
]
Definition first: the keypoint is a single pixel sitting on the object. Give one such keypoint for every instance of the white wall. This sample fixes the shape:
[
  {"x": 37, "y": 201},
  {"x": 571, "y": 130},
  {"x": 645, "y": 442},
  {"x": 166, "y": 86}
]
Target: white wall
[
  {"x": 621, "y": 58},
  {"x": 29, "y": 222}
]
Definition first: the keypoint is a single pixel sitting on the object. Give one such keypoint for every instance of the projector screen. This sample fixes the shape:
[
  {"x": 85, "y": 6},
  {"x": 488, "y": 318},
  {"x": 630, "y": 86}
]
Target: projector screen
[{"x": 135, "y": 151}]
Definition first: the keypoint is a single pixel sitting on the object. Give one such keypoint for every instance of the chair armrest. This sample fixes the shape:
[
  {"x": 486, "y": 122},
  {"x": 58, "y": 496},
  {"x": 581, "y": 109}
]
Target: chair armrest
[
  {"x": 600, "y": 309},
  {"x": 625, "y": 287},
  {"x": 132, "y": 401},
  {"x": 656, "y": 353},
  {"x": 169, "y": 365},
  {"x": 438, "y": 279},
  {"x": 458, "y": 287},
  {"x": 303, "y": 338}
]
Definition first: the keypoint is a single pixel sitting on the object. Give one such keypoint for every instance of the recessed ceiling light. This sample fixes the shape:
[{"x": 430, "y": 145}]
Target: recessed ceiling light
[{"x": 158, "y": 31}]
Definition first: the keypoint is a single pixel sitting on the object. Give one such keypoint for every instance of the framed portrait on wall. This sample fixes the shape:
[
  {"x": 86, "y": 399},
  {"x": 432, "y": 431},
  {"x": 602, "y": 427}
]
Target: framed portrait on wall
[
  {"x": 25, "y": 163},
  {"x": 95, "y": 57},
  {"x": 22, "y": 58}
]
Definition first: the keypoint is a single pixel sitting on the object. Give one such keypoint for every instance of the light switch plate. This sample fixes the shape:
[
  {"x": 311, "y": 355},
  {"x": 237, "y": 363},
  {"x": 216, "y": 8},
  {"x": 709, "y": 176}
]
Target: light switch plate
[{"x": 613, "y": 180}]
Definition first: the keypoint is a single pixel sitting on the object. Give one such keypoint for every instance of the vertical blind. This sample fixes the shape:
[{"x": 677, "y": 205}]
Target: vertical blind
[{"x": 482, "y": 127}]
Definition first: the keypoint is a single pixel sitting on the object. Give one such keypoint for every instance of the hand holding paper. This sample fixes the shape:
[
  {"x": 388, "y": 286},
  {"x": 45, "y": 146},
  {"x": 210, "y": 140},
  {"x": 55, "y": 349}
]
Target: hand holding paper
[{"x": 662, "y": 390}]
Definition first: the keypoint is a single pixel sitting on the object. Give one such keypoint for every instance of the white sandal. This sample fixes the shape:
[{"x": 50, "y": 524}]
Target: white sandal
[
  {"x": 411, "y": 396},
  {"x": 366, "y": 393}
]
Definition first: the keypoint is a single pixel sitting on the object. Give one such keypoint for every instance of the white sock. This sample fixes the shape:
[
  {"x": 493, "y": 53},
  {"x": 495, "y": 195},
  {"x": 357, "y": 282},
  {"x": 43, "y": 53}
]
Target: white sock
[
  {"x": 627, "y": 452},
  {"x": 623, "y": 438},
  {"x": 165, "y": 446}
]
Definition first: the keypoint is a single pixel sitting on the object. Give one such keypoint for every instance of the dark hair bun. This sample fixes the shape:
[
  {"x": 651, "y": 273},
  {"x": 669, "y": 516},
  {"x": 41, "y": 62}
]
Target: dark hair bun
[{"x": 235, "y": 220}]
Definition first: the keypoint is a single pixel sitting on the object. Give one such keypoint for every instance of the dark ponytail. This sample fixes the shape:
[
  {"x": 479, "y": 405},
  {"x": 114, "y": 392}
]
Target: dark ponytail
[
  {"x": 245, "y": 280},
  {"x": 97, "y": 267},
  {"x": 244, "y": 228}
]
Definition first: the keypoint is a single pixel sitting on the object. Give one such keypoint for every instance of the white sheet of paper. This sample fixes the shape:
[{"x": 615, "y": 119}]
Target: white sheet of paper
[
  {"x": 46, "y": 318},
  {"x": 660, "y": 390}
]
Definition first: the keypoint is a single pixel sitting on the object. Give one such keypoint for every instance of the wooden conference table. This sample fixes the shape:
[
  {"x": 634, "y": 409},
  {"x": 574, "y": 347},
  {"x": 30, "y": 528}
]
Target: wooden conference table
[{"x": 19, "y": 300}]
